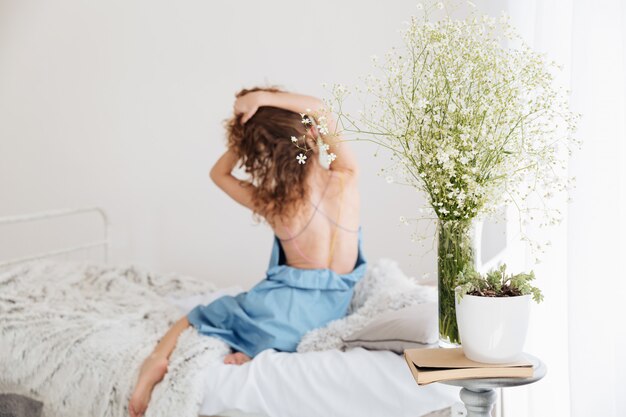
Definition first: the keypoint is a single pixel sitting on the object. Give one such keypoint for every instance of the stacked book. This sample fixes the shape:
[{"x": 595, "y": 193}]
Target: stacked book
[{"x": 434, "y": 365}]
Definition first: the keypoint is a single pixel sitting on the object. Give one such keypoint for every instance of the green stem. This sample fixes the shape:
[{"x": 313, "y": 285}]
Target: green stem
[{"x": 454, "y": 254}]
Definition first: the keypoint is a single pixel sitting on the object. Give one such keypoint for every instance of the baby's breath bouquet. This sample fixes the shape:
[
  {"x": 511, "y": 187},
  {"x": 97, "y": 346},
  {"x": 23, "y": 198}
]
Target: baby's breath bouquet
[{"x": 472, "y": 117}]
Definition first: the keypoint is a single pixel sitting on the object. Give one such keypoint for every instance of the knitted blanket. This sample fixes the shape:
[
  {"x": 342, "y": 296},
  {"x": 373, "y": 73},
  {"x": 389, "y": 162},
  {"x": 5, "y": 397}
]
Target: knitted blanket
[{"x": 74, "y": 335}]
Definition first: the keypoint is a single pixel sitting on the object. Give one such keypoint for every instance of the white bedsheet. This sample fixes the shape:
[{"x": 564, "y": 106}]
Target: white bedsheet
[{"x": 330, "y": 383}]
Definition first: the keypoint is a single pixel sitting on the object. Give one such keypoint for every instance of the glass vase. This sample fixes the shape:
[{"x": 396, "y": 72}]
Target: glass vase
[{"x": 455, "y": 252}]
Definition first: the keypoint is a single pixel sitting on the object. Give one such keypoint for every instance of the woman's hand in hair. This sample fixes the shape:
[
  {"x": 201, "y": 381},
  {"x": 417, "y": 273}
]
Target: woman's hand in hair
[{"x": 247, "y": 105}]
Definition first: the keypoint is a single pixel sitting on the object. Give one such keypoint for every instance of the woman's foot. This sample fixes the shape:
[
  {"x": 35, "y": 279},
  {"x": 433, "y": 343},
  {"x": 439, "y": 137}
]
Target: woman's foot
[
  {"x": 152, "y": 371},
  {"x": 236, "y": 358}
]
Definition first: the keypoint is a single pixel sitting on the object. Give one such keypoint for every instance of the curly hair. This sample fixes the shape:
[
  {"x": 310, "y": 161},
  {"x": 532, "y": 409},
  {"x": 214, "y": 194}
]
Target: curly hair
[{"x": 267, "y": 153}]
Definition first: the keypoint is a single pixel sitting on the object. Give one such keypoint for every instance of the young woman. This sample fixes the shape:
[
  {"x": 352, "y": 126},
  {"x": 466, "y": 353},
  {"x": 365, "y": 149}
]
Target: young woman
[{"x": 314, "y": 213}]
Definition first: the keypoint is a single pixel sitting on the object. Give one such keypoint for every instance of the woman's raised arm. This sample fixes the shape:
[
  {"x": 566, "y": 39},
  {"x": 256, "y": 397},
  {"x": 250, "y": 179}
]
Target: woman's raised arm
[
  {"x": 221, "y": 174},
  {"x": 248, "y": 104}
]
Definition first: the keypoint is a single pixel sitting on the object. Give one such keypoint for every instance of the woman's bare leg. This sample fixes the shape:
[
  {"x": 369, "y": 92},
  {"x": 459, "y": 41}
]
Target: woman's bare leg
[{"x": 154, "y": 368}]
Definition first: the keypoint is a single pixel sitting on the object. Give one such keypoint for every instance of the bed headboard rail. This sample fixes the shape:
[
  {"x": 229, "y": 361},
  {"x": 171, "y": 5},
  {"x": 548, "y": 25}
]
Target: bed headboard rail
[{"x": 25, "y": 218}]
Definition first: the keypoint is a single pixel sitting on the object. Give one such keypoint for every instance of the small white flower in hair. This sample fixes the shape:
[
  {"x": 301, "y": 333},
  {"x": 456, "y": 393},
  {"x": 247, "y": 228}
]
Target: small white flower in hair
[
  {"x": 294, "y": 139},
  {"x": 325, "y": 146},
  {"x": 301, "y": 158},
  {"x": 331, "y": 157}
]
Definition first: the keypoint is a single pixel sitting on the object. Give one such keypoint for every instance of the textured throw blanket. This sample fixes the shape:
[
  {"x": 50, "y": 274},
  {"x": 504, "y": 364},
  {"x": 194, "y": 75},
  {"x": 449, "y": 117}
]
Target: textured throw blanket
[{"x": 74, "y": 335}]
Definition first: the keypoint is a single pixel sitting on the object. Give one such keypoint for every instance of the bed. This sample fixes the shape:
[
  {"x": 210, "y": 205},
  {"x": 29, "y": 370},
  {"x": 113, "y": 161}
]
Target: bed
[{"x": 74, "y": 333}]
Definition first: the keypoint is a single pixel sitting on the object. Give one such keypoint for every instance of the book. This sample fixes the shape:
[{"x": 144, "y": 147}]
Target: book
[{"x": 434, "y": 365}]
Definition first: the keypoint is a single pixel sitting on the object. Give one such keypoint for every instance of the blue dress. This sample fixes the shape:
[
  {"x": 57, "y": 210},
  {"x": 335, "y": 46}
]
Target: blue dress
[{"x": 280, "y": 309}]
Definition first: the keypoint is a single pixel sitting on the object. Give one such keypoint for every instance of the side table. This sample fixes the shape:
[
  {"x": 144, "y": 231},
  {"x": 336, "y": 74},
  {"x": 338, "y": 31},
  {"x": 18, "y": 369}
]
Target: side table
[{"x": 479, "y": 394}]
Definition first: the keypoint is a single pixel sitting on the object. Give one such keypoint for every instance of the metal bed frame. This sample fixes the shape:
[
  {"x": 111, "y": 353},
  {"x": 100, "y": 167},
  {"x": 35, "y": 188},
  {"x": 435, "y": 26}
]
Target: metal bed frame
[{"x": 104, "y": 242}]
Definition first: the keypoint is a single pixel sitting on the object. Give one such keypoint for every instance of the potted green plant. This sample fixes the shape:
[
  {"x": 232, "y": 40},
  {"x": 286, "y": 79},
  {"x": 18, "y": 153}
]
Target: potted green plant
[{"x": 492, "y": 312}]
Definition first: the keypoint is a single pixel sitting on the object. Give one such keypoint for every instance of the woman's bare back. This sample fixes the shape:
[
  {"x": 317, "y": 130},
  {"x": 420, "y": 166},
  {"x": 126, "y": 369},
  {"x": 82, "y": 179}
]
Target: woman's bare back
[{"x": 324, "y": 233}]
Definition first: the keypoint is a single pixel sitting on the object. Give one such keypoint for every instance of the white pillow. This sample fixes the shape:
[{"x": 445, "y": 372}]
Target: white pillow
[{"x": 407, "y": 328}]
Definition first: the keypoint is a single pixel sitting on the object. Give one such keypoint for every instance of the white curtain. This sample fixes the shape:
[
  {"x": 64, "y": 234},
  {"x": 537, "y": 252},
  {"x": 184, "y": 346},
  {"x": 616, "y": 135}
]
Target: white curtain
[{"x": 580, "y": 329}]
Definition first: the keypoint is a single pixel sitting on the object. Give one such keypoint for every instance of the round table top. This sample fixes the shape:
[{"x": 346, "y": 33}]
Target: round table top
[{"x": 484, "y": 384}]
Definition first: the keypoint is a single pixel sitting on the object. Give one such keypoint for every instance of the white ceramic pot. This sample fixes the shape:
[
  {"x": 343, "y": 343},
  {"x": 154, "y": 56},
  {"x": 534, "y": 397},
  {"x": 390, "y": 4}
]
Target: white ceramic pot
[{"x": 493, "y": 329}]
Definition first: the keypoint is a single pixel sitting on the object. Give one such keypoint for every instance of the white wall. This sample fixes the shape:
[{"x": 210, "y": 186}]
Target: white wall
[{"x": 119, "y": 104}]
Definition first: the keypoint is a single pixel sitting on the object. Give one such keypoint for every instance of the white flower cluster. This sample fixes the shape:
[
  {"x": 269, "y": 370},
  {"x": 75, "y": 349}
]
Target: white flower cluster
[
  {"x": 319, "y": 121},
  {"x": 471, "y": 122}
]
